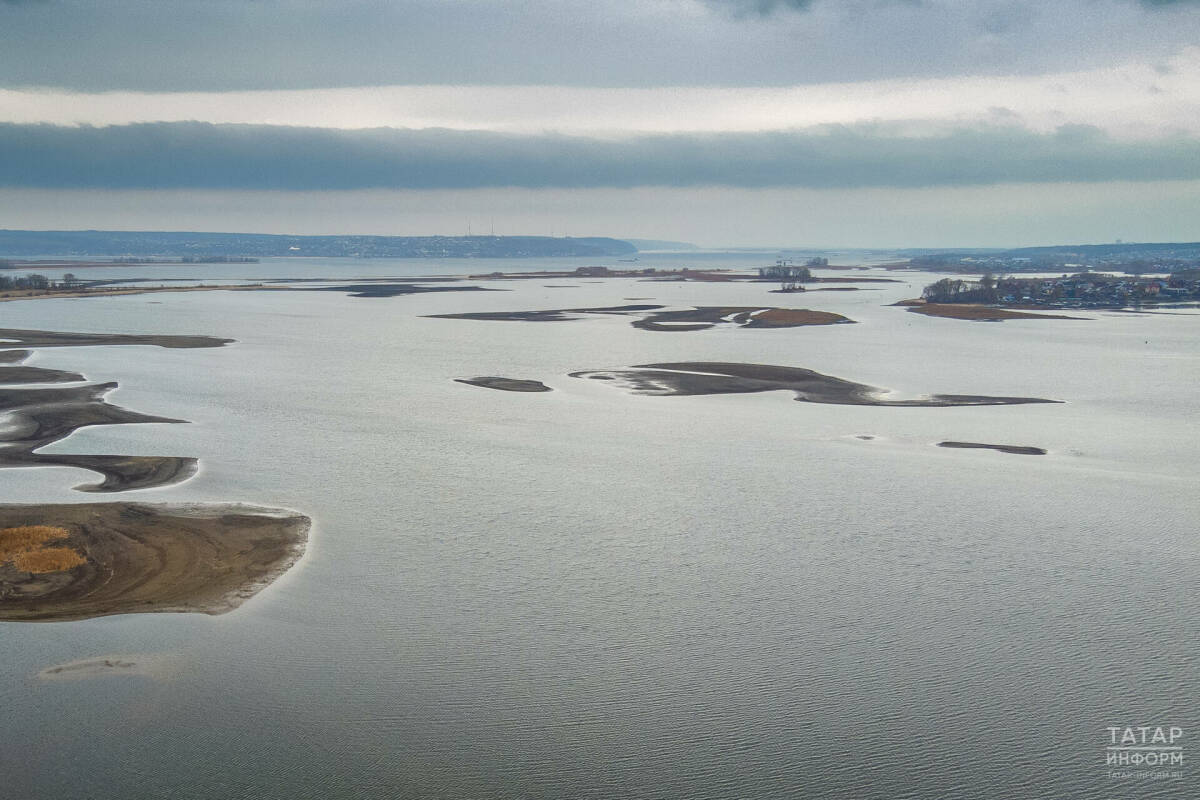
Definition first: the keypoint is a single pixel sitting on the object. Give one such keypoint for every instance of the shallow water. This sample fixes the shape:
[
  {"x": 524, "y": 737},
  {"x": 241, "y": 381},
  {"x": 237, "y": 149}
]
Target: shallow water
[{"x": 586, "y": 593}]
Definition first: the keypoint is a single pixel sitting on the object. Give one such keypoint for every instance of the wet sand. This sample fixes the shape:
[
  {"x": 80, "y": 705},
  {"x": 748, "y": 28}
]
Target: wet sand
[
  {"x": 1002, "y": 448},
  {"x": 506, "y": 384},
  {"x": 147, "y": 558},
  {"x": 705, "y": 378}
]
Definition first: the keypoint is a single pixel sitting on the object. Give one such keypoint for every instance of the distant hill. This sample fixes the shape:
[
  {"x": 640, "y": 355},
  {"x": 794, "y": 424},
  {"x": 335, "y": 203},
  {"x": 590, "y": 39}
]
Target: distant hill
[
  {"x": 660, "y": 244},
  {"x": 182, "y": 243},
  {"x": 1130, "y": 257},
  {"x": 1124, "y": 249}
]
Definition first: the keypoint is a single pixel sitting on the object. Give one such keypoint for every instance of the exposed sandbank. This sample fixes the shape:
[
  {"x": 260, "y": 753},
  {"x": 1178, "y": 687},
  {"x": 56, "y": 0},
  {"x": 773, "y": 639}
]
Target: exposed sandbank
[
  {"x": 656, "y": 318},
  {"x": 704, "y": 378},
  {"x": 390, "y": 289},
  {"x": 23, "y": 337},
  {"x": 1003, "y": 448},
  {"x": 506, "y": 384},
  {"x": 145, "y": 558},
  {"x": 551, "y": 315},
  {"x": 11, "y": 371},
  {"x": 37, "y": 417},
  {"x": 976, "y": 313},
  {"x": 703, "y": 317}
]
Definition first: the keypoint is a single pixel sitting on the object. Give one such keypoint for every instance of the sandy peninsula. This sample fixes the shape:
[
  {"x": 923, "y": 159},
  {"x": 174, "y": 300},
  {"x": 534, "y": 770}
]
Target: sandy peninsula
[{"x": 70, "y": 562}]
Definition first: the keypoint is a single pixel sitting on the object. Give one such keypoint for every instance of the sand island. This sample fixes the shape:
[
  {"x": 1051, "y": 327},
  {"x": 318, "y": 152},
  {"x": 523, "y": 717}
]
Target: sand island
[
  {"x": 38, "y": 417},
  {"x": 506, "y": 384},
  {"x": 975, "y": 312},
  {"x": 708, "y": 377},
  {"x": 658, "y": 318},
  {"x": 70, "y": 562},
  {"x": 1015, "y": 449}
]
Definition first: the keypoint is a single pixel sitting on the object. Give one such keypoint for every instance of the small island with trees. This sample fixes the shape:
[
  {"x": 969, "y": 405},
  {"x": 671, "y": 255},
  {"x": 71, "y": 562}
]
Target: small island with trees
[{"x": 992, "y": 298}]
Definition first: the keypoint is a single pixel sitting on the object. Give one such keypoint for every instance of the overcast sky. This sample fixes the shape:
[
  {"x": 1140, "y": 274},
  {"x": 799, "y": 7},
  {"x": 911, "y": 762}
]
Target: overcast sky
[{"x": 724, "y": 122}]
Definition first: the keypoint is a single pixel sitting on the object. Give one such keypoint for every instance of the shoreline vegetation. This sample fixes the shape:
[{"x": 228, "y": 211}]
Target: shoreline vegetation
[{"x": 78, "y": 561}]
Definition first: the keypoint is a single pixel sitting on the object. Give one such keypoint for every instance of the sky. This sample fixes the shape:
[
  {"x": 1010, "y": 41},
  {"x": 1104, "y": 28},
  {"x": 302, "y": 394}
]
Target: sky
[{"x": 804, "y": 123}]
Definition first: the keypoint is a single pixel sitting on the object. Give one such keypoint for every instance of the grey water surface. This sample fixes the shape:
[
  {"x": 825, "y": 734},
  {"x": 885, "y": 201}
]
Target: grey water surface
[{"x": 588, "y": 593}]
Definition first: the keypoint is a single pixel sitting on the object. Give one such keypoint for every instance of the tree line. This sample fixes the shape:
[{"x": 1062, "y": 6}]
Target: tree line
[{"x": 36, "y": 281}]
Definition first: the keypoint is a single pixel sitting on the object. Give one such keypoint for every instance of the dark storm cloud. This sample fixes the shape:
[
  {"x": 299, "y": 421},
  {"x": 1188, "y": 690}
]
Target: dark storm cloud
[
  {"x": 220, "y": 45},
  {"x": 201, "y": 155},
  {"x": 765, "y": 7}
]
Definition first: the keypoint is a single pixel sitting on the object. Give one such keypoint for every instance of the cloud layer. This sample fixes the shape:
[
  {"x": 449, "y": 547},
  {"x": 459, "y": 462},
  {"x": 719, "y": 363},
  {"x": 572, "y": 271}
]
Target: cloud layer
[
  {"x": 202, "y": 155},
  {"x": 219, "y": 45}
]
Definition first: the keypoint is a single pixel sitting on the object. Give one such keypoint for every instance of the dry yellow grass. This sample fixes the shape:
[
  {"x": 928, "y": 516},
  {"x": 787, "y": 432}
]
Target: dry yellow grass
[
  {"x": 24, "y": 547},
  {"x": 48, "y": 559},
  {"x": 26, "y": 538}
]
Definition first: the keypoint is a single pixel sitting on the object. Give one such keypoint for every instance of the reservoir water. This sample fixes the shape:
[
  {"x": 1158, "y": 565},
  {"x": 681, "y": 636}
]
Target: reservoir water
[{"x": 588, "y": 593}]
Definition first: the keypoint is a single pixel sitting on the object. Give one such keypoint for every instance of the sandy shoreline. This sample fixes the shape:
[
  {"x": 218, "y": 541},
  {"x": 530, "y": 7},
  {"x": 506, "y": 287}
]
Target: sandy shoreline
[{"x": 147, "y": 558}]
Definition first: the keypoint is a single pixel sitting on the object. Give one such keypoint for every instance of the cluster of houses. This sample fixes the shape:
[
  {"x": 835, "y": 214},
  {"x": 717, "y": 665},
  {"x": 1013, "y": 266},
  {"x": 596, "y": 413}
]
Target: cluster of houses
[{"x": 1082, "y": 290}]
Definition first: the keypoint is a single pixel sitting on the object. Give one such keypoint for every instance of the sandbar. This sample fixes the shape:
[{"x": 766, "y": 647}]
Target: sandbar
[
  {"x": 1002, "y": 448},
  {"x": 23, "y": 337},
  {"x": 977, "y": 313},
  {"x": 391, "y": 289},
  {"x": 657, "y": 318},
  {"x": 13, "y": 372},
  {"x": 37, "y": 417},
  {"x": 139, "y": 558},
  {"x": 506, "y": 384},
  {"x": 705, "y": 378}
]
